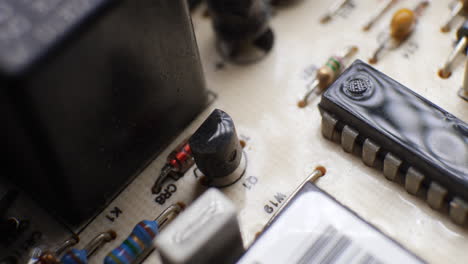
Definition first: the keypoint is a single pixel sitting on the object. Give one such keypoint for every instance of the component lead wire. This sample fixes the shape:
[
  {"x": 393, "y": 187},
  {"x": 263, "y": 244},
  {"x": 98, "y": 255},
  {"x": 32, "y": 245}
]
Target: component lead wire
[
  {"x": 379, "y": 14},
  {"x": 312, "y": 178},
  {"x": 169, "y": 214},
  {"x": 72, "y": 241},
  {"x": 446, "y": 69},
  {"x": 463, "y": 93},
  {"x": 333, "y": 10},
  {"x": 457, "y": 9},
  {"x": 99, "y": 241}
]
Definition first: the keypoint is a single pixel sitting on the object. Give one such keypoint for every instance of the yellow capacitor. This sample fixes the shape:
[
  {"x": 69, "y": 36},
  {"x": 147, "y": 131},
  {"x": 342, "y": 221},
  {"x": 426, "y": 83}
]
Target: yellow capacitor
[{"x": 402, "y": 24}]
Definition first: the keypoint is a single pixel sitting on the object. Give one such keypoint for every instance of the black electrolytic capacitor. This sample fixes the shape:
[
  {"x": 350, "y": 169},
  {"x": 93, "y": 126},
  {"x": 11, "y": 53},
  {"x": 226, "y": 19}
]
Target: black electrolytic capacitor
[
  {"x": 242, "y": 29},
  {"x": 216, "y": 148}
]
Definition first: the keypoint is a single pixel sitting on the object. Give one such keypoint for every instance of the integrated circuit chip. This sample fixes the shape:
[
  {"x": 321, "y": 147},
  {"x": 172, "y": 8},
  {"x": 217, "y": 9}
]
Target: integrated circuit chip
[{"x": 411, "y": 139}]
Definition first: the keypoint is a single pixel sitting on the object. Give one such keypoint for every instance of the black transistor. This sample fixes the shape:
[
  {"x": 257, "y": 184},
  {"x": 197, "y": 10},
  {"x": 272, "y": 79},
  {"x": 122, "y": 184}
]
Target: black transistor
[{"x": 217, "y": 150}]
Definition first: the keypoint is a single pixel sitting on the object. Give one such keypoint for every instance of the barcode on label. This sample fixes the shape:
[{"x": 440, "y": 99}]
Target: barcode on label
[
  {"x": 314, "y": 228},
  {"x": 333, "y": 247}
]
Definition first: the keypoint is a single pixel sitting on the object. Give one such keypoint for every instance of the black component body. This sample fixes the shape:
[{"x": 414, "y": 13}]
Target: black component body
[
  {"x": 215, "y": 146},
  {"x": 239, "y": 20},
  {"x": 242, "y": 28},
  {"x": 402, "y": 122},
  {"x": 91, "y": 91}
]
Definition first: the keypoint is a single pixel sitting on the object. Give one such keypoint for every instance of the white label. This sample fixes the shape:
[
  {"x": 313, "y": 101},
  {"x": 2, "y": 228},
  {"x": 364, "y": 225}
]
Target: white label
[{"x": 315, "y": 229}]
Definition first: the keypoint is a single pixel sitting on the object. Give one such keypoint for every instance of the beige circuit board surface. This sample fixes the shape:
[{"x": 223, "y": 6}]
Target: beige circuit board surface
[{"x": 284, "y": 143}]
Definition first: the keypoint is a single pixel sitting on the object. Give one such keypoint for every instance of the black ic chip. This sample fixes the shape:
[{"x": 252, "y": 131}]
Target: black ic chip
[{"x": 408, "y": 137}]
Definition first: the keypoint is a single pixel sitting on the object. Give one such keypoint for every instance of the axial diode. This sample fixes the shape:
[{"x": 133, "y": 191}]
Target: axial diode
[
  {"x": 402, "y": 26},
  {"x": 461, "y": 47},
  {"x": 327, "y": 74},
  {"x": 178, "y": 162}
]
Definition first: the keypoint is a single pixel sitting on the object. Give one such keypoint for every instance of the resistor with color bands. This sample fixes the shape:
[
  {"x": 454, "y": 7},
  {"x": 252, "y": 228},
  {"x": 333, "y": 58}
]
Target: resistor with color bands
[
  {"x": 141, "y": 238},
  {"x": 81, "y": 256},
  {"x": 327, "y": 74}
]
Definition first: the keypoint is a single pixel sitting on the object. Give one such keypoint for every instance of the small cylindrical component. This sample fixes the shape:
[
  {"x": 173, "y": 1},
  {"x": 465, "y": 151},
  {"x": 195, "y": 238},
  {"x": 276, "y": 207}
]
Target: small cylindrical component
[
  {"x": 327, "y": 74},
  {"x": 401, "y": 27},
  {"x": 80, "y": 256},
  {"x": 216, "y": 149},
  {"x": 461, "y": 47},
  {"x": 242, "y": 29},
  {"x": 207, "y": 232},
  {"x": 178, "y": 162},
  {"x": 138, "y": 241},
  {"x": 402, "y": 24},
  {"x": 460, "y": 7},
  {"x": 141, "y": 238}
]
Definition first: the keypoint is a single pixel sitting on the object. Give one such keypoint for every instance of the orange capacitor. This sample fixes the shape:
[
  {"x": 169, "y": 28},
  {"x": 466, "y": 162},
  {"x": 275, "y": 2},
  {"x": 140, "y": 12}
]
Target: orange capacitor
[
  {"x": 401, "y": 27},
  {"x": 402, "y": 24}
]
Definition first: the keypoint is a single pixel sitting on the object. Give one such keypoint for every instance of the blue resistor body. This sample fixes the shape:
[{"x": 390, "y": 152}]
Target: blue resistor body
[
  {"x": 140, "y": 239},
  {"x": 75, "y": 256},
  {"x": 80, "y": 256}
]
